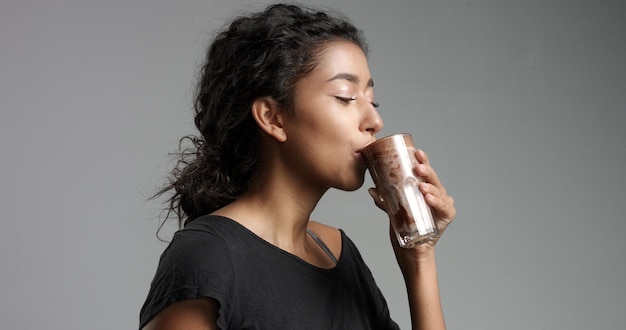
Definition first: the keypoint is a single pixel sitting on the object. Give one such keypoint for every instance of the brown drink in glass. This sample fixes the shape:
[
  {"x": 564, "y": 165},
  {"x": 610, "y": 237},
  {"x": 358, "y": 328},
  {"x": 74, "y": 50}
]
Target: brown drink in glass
[{"x": 390, "y": 161}]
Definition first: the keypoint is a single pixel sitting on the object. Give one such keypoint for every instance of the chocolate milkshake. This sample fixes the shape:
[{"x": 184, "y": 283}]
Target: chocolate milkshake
[{"x": 390, "y": 161}]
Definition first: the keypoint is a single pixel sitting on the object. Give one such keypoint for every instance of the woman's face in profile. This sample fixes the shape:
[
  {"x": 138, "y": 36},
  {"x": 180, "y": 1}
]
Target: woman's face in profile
[{"x": 334, "y": 118}]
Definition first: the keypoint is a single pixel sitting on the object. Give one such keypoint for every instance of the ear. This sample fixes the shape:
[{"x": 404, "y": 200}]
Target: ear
[{"x": 268, "y": 116}]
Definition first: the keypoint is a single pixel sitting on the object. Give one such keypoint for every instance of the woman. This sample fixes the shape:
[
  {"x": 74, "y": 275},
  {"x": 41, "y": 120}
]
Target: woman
[{"x": 284, "y": 105}]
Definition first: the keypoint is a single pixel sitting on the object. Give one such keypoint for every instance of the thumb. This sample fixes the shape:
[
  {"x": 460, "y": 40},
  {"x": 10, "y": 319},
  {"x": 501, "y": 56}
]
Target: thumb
[{"x": 376, "y": 197}]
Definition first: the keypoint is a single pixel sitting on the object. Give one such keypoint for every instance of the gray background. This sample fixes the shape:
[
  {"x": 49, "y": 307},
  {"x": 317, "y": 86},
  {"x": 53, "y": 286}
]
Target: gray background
[{"x": 520, "y": 104}]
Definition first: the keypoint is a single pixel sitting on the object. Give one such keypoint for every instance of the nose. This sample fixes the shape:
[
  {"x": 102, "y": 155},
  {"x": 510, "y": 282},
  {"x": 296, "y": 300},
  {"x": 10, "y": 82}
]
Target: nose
[{"x": 371, "y": 123}]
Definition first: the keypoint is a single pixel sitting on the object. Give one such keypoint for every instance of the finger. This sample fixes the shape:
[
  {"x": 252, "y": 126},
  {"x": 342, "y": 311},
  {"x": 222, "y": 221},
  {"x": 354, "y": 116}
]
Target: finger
[
  {"x": 378, "y": 200},
  {"x": 443, "y": 207},
  {"x": 422, "y": 157},
  {"x": 429, "y": 188},
  {"x": 441, "y": 204},
  {"x": 425, "y": 171}
]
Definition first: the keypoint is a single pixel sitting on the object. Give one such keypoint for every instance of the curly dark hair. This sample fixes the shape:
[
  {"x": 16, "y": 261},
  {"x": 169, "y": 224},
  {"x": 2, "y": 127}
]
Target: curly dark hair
[{"x": 263, "y": 54}]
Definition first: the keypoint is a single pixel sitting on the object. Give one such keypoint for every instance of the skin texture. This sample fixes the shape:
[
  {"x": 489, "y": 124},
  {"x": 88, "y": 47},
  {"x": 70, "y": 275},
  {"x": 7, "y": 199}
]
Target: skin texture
[
  {"x": 334, "y": 120},
  {"x": 308, "y": 151}
]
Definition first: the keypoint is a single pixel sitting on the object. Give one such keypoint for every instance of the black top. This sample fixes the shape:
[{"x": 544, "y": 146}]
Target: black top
[{"x": 260, "y": 286}]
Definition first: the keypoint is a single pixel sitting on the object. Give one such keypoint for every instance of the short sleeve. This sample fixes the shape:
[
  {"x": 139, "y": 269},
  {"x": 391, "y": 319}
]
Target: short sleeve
[
  {"x": 368, "y": 288},
  {"x": 196, "y": 264}
]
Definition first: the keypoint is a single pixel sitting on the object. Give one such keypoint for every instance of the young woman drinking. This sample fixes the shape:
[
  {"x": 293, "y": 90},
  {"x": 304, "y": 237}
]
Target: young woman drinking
[{"x": 284, "y": 105}]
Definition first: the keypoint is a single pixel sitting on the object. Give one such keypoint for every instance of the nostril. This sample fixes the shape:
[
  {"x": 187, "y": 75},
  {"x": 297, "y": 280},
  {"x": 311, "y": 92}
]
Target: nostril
[{"x": 371, "y": 121}]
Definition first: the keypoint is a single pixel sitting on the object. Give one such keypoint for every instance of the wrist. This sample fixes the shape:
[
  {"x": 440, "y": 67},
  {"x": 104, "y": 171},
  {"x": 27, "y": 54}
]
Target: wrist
[
  {"x": 416, "y": 260},
  {"x": 425, "y": 253}
]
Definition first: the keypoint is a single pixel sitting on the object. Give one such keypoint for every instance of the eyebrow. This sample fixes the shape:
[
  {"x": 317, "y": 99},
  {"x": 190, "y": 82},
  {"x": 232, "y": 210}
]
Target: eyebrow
[{"x": 351, "y": 78}]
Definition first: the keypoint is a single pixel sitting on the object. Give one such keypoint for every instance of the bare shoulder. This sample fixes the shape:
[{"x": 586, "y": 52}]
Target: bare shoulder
[
  {"x": 330, "y": 235},
  {"x": 193, "y": 314}
]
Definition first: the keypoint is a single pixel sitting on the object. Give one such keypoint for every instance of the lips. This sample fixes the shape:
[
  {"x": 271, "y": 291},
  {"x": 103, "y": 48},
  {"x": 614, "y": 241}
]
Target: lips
[{"x": 360, "y": 151}]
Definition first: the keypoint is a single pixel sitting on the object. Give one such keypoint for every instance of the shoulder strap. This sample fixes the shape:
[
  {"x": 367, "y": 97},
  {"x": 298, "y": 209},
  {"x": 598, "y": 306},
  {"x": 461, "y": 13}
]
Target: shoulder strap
[{"x": 319, "y": 242}]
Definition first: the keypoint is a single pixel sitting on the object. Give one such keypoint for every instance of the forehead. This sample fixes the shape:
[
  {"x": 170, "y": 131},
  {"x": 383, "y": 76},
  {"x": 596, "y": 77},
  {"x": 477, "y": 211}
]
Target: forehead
[{"x": 341, "y": 57}]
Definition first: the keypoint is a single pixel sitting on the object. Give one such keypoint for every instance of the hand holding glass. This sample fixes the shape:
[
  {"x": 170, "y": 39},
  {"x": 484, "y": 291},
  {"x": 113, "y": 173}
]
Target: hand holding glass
[{"x": 390, "y": 161}]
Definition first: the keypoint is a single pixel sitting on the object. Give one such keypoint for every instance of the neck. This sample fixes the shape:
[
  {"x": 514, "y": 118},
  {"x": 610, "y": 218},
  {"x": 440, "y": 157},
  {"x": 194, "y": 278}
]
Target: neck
[{"x": 276, "y": 207}]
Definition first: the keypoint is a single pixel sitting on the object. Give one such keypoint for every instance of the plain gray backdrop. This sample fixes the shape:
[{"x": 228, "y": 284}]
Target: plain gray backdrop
[{"x": 521, "y": 106}]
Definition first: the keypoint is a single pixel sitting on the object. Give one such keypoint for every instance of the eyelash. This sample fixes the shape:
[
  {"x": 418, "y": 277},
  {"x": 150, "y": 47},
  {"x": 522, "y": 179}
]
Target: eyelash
[{"x": 348, "y": 99}]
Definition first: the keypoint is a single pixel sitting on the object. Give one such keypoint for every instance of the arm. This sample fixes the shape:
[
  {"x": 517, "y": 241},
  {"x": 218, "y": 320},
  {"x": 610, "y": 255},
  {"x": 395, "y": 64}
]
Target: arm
[
  {"x": 418, "y": 264},
  {"x": 195, "y": 314},
  {"x": 420, "y": 277}
]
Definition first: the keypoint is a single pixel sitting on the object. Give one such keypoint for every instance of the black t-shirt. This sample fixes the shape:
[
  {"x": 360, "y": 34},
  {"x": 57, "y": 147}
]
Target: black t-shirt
[{"x": 260, "y": 286}]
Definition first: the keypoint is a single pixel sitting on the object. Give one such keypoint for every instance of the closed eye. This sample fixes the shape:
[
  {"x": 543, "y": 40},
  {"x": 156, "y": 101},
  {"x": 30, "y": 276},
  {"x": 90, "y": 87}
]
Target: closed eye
[{"x": 345, "y": 100}]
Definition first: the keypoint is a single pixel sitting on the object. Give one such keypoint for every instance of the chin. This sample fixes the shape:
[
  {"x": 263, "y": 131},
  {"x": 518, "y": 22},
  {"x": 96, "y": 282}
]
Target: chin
[{"x": 353, "y": 185}]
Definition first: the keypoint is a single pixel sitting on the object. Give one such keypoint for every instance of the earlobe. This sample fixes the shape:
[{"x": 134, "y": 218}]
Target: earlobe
[{"x": 268, "y": 116}]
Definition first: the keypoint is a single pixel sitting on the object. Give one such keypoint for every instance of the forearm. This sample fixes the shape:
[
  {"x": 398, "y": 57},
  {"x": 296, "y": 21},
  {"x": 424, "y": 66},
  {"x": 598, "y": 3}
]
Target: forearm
[{"x": 423, "y": 292}]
